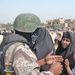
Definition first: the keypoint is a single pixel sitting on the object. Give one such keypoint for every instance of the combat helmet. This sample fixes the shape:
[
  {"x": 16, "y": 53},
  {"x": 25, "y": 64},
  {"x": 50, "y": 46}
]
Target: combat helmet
[{"x": 27, "y": 22}]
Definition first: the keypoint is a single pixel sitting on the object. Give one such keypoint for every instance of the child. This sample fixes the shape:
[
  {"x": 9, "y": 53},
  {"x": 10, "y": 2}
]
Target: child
[{"x": 70, "y": 72}]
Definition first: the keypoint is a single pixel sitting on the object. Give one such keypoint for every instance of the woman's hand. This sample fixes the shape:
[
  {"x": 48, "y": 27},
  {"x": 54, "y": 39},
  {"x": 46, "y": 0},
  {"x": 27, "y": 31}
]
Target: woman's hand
[
  {"x": 53, "y": 58},
  {"x": 67, "y": 63}
]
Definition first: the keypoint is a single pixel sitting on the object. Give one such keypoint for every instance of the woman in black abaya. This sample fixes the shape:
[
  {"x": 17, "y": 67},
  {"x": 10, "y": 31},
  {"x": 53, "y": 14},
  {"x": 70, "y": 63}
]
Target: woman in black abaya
[{"x": 66, "y": 48}]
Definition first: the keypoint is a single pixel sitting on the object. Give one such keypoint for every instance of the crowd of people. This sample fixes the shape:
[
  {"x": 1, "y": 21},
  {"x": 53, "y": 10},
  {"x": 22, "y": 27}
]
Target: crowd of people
[{"x": 33, "y": 51}]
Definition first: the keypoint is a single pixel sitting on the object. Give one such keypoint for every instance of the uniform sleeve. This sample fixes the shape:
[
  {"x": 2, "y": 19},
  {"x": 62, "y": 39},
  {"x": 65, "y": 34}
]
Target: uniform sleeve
[{"x": 25, "y": 62}]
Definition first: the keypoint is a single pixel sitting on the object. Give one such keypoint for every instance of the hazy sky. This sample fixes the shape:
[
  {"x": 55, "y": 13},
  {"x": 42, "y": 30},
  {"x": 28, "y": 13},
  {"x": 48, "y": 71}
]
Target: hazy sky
[{"x": 44, "y": 9}]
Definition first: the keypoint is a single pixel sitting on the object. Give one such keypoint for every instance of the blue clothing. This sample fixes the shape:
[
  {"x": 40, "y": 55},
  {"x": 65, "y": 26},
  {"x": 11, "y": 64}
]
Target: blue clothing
[{"x": 73, "y": 70}]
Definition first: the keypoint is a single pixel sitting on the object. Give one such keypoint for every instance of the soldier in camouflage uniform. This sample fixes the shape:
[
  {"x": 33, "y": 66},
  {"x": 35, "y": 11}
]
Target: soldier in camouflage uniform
[{"x": 25, "y": 61}]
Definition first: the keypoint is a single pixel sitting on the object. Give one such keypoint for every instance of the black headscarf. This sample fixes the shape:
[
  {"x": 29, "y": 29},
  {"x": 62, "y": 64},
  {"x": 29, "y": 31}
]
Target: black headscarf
[
  {"x": 68, "y": 52},
  {"x": 43, "y": 44}
]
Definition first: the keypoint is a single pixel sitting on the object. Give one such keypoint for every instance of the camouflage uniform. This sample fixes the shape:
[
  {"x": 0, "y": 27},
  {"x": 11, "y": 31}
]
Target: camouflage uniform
[{"x": 25, "y": 62}]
